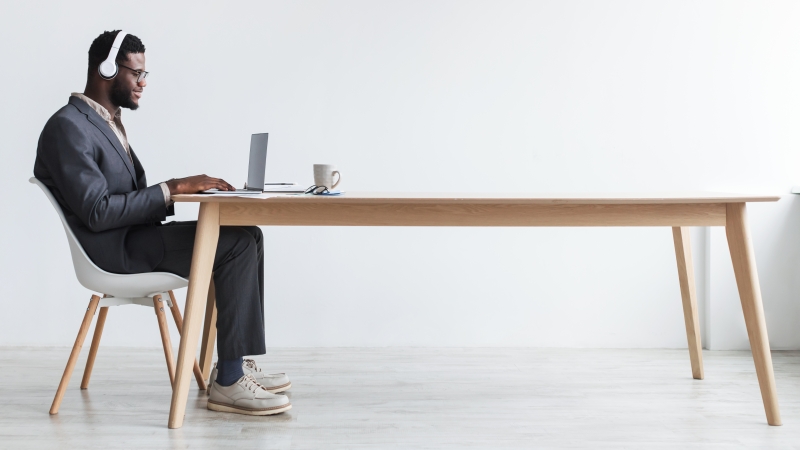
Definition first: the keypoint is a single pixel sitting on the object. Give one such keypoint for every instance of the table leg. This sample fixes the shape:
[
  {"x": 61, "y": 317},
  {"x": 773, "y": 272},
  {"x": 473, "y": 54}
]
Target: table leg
[
  {"x": 176, "y": 316},
  {"x": 744, "y": 267},
  {"x": 209, "y": 333},
  {"x": 683, "y": 254},
  {"x": 205, "y": 246}
]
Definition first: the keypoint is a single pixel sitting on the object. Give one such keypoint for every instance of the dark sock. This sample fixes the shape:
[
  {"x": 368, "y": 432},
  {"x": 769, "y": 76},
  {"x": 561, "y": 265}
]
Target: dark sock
[{"x": 229, "y": 371}]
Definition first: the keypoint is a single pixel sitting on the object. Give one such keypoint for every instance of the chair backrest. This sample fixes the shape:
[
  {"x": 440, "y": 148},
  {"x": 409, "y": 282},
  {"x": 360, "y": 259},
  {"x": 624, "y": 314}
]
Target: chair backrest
[
  {"x": 80, "y": 260},
  {"x": 97, "y": 279}
]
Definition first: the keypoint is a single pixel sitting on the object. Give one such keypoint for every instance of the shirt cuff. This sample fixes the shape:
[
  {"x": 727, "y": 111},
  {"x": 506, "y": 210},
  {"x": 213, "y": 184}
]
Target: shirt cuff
[{"x": 165, "y": 191}]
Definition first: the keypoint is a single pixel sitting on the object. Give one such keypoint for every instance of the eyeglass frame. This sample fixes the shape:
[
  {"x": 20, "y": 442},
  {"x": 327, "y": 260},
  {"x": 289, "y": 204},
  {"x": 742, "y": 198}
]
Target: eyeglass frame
[
  {"x": 141, "y": 74},
  {"x": 314, "y": 188}
]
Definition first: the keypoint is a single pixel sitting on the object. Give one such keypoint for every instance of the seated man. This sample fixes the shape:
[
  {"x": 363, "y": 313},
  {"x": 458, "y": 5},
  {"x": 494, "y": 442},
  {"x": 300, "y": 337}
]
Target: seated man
[{"x": 85, "y": 159}]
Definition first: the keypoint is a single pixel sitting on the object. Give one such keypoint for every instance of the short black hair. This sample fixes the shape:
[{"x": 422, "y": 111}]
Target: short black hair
[{"x": 98, "y": 51}]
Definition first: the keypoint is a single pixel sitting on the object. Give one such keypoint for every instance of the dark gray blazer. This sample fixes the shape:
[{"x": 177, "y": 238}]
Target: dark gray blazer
[{"x": 105, "y": 198}]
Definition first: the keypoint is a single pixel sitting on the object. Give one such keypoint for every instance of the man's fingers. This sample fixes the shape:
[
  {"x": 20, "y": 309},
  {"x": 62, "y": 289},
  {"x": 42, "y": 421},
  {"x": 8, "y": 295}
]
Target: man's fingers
[
  {"x": 199, "y": 183},
  {"x": 224, "y": 183},
  {"x": 223, "y": 186},
  {"x": 212, "y": 185},
  {"x": 219, "y": 184}
]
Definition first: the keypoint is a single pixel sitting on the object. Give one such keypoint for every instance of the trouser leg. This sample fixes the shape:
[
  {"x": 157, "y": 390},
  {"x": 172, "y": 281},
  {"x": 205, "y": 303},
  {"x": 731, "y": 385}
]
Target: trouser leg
[
  {"x": 258, "y": 236},
  {"x": 239, "y": 281},
  {"x": 240, "y": 310}
]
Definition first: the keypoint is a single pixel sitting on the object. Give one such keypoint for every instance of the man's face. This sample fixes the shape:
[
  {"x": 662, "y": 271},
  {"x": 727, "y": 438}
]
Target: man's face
[{"x": 125, "y": 90}]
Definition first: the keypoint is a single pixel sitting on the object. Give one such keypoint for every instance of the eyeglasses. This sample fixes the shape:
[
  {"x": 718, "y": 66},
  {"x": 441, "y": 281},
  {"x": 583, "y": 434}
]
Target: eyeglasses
[
  {"x": 140, "y": 74},
  {"x": 317, "y": 190}
]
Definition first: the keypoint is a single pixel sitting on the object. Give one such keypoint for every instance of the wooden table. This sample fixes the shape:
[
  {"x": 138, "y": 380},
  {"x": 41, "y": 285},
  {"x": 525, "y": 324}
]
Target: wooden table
[{"x": 490, "y": 210}]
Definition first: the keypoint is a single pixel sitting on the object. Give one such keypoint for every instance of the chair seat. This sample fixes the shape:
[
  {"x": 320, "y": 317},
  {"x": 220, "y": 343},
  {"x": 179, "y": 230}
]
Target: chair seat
[{"x": 134, "y": 285}]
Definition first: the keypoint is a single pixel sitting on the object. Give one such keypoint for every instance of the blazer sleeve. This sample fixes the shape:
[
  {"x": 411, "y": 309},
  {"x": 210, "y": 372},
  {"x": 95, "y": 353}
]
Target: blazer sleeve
[
  {"x": 72, "y": 164},
  {"x": 141, "y": 180}
]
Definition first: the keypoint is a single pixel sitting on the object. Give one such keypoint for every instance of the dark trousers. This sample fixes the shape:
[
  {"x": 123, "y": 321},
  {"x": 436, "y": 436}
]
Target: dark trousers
[{"x": 238, "y": 278}]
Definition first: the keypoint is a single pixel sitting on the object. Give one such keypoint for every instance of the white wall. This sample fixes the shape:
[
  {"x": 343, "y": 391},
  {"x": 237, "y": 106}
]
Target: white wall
[{"x": 614, "y": 96}]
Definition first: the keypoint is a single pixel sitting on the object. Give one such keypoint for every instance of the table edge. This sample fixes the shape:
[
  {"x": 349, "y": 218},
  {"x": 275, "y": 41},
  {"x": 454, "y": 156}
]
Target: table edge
[{"x": 456, "y": 199}]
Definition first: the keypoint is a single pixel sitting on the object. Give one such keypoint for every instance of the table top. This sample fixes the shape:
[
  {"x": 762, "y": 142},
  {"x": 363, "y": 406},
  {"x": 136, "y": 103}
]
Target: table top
[{"x": 499, "y": 198}]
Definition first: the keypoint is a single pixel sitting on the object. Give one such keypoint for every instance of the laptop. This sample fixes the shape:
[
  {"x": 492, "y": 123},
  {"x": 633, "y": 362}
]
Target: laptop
[{"x": 255, "y": 170}]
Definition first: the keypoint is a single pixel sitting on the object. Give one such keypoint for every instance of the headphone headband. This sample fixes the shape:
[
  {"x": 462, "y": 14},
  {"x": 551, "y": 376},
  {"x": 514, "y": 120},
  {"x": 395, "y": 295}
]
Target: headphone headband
[{"x": 108, "y": 68}]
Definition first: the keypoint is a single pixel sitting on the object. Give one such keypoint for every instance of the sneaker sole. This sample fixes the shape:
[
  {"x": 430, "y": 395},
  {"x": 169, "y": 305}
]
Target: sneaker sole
[
  {"x": 214, "y": 406},
  {"x": 274, "y": 390},
  {"x": 281, "y": 388}
]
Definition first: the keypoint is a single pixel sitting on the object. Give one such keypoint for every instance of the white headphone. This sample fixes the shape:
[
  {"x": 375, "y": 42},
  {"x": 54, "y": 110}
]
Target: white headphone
[{"x": 108, "y": 69}]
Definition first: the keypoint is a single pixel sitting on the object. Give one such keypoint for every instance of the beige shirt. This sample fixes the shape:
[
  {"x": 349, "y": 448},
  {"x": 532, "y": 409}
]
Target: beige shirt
[{"x": 119, "y": 130}]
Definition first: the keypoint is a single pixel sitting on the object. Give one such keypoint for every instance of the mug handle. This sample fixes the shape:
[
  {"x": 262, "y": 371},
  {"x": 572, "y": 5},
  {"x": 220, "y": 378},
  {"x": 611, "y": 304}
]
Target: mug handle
[{"x": 338, "y": 179}]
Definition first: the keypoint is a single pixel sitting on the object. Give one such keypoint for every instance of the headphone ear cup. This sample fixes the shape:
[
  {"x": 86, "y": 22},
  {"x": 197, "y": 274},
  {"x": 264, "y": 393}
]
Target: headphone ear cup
[{"x": 108, "y": 69}]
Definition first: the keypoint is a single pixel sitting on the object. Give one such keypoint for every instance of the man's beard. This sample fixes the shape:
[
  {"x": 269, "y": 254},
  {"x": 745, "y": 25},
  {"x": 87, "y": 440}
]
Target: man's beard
[{"x": 121, "y": 96}]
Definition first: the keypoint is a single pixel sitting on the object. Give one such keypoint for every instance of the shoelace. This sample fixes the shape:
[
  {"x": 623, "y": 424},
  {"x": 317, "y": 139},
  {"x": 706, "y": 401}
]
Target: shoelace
[
  {"x": 251, "y": 364},
  {"x": 251, "y": 384}
]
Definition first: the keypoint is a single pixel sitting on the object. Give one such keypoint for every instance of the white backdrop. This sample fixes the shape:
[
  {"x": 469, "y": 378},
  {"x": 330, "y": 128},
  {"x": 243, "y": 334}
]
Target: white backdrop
[{"x": 514, "y": 96}]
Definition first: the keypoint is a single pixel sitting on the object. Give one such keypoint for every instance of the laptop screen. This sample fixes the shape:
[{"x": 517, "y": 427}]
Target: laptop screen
[{"x": 258, "y": 162}]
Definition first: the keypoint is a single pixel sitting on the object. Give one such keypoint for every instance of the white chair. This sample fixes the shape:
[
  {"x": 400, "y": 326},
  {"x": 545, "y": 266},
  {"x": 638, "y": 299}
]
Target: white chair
[{"x": 146, "y": 289}]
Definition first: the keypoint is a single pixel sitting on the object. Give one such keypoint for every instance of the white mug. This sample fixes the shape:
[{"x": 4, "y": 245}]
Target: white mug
[{"x": 324, "y": 175}]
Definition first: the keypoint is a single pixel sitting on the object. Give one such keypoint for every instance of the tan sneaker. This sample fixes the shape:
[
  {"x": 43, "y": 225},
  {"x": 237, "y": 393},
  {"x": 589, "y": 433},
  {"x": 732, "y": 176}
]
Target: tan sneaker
[
  {"x": 273, "y": 382},
  {"x": 248, "y": 397}
]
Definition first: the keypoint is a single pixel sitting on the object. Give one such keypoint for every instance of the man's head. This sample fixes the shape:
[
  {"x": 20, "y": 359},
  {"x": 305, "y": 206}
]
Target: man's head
[{"x": 125, "y": 89}]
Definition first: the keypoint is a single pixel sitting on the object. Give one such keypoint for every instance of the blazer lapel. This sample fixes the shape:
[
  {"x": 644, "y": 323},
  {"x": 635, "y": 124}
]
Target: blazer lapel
[{"x": 107, "y": 131}]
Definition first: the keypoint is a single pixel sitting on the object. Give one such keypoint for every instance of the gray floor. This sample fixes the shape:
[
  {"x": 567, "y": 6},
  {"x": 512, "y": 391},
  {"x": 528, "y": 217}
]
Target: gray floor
[{"x": 414, "y": 398}]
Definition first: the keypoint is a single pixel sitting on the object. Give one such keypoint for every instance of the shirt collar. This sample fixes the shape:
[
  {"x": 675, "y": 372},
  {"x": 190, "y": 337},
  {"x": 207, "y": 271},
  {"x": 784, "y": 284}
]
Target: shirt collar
[{"x": 99, "y": 109}]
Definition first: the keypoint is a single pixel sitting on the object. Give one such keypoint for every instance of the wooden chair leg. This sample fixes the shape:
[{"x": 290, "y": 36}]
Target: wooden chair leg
[
  {"x": 76, "y": 350},
  {"x": 158, "y": 303},
  {"x": 176, "y": 315},
  {"x": 209, "y": 332},
  {"x": 683, "y": 254},
  {"x": 98, "y": 333}
]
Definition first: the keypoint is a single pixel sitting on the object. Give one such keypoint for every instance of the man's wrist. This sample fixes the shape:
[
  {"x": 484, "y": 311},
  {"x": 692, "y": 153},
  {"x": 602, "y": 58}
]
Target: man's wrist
[
  {"x": 167, "y": 193},
  {"x": 172, "y": 186}
]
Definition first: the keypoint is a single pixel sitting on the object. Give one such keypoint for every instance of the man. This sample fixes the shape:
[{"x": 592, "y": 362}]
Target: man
[{"x": 86, "y": 161}]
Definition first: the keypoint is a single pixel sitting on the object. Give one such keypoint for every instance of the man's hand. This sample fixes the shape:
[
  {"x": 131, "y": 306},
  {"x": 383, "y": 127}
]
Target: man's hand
[{"x": 197, "y": 183}]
